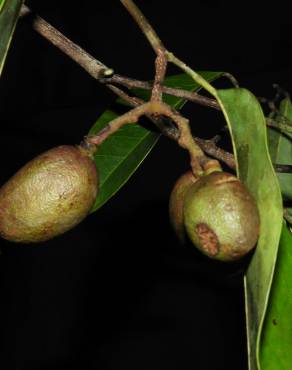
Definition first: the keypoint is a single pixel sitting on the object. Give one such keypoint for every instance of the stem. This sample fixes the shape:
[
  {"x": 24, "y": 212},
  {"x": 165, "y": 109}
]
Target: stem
[
  {"x": 130, "y": 117},
  {"x": 191, "y": 96},
  {"x": 231, "y": 78},
  {"x": 160, "y": 69},
  {"x": 210, "y": 147},
  {"x": 94, "y": 67},
  {"x": 196, "y": 77},
  {"x": 288, "y": 216},
  {"x": 185, "y": 139},
  {"x": 169, "y": 129},
  {"x": 283, "y": 168},
  {"x": 145, "y": 26},
  {"x": 284, "y": 128},
  {"x": 99, "y": 70}
]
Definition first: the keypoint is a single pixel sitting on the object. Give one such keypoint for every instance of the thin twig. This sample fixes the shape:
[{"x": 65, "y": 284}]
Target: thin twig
[
  {"x": 157, "y": 45},
  {"x": 167, "y": 129},
  {"x": 171, "y": 131},
  {"x": 210, "y": 147},
  {"x": 199, "y": 162},
  {"x": 99, "y": 70},
  {"x": 288, "y": 216},
  {"x": 179, "y": 93},
  {"x": 145, "y": 26},
  {"x": 195, "y": 76},
  {"x": 185, "y": 140},
  {"x": 283, "y": 127},
  {"x": 160, "y": 68},
  {"x": 231, "y": 78},
  {"x": 283, "y": 168},
  {"x": 130, "y": 117},
  {"x": 94, "y": 67},
  {"x": 132, "y": 100}
]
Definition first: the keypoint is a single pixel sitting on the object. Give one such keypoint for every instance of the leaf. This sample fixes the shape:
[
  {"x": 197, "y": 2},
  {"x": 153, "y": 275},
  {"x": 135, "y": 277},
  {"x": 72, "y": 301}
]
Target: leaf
[
  {"x": 276, "y": 340},
  {"x": 249, "y": 136},
  {"x": 9, "y": 11},
  {"x": 1, "y": 4},
  {"x": 123, "y": 152},
  {"x": 280, "y": 148},
  {"x": 119, "y": 156}
]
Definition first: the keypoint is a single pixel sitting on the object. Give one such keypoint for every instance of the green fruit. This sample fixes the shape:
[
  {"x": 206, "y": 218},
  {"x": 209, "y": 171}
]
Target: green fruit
[
  {"x": 176, "y": 202},
  {"x": 221, "y": 217},
  {"x": 48, "y": 196}
]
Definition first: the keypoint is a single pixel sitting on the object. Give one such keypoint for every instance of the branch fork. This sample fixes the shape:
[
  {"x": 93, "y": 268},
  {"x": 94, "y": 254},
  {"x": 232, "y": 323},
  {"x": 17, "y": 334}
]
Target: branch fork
[{"x": 155, "y": 110}]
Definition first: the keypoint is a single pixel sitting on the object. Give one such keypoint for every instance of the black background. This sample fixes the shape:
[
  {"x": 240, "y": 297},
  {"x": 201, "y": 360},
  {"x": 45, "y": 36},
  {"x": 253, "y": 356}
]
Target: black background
[{"x": 118, "y": 292}]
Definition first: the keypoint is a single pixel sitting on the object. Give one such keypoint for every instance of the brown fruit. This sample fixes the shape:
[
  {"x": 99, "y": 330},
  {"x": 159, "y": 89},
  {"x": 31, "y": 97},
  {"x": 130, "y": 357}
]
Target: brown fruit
[
  {"x": 176, "y": 202},
  {"x": 221, "y": 216},
  {"x": 48, "y": 196}
]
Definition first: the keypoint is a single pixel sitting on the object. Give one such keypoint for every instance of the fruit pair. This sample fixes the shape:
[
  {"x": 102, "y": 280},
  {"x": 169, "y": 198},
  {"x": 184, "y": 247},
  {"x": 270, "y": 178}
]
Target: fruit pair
[
  {"x": 217, "y": 213},
  {"x": 56, "y": 190},
  {"x": 49, "y": 195}
]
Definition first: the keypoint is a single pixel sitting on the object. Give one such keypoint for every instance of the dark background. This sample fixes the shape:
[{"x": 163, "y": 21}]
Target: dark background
[{"x": 118, "y": 292}]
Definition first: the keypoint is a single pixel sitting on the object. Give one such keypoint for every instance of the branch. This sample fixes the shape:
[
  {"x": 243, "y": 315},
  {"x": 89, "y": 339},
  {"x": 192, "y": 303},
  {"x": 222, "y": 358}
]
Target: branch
[
  {"x": 171, "y": 131},
  {"x": 288, "y": 216},
  {"x": 94, "y": 67},
  {"x": 160, "y": 68},
  {"x": 284, "y": 128},
  {"x": 200, "y": 163},
  {"x": 210, "y": 147},
  {"x": 191, "y": 96},
  {"x": 104, "y": 74},
  {"x": 99, "y": 70},
  {"x": 170, "y": 57},
  {"x": 166, "y": 128},
  {"x": 185, "y": 140},
  {"x": 283, "y": 168},
  {"x": 144, "y": 25}
]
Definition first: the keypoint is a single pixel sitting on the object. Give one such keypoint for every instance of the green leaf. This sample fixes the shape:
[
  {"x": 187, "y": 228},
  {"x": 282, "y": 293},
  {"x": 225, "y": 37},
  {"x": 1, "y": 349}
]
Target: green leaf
[
  {"x": 276, "y": 340},
  {"x": 119, "y": 156},
  {"x": 281, "y": 149},
  {"x": 9, "y": 11},
  {"x": 123, "y": 152},
  {"x": 1, "y": 4},
  {"x": 248, "y": 131}
]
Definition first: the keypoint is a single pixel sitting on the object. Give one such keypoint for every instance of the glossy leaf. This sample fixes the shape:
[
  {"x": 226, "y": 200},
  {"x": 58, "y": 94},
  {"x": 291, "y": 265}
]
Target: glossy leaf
[
  {"x": 249, "y": 136},
  {"x": 119, "y": 156},
  {"x": 281, "y": 149},
  {"x": 1, "y": 4},
  {"x": 9, "y": 11},
  {"x": 276, "y": 340},
  {"x": 122, "y": 153}
]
